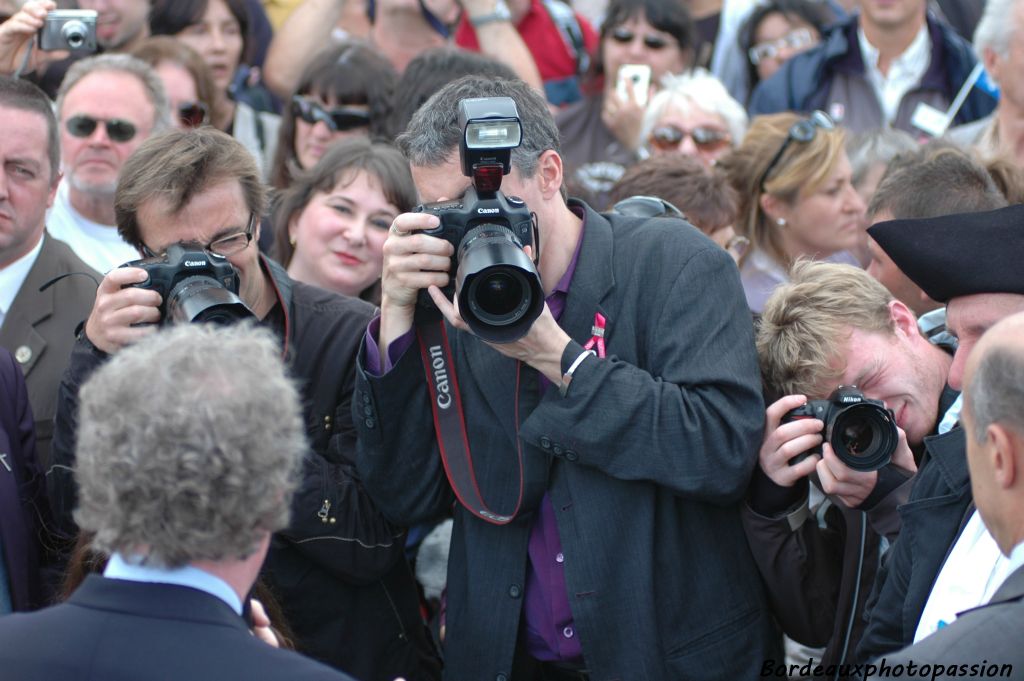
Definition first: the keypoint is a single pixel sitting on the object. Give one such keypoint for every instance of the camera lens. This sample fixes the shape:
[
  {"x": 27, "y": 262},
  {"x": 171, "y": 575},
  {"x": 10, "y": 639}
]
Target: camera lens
[
  {"x": 204, "y": 300},
  {"x": 863, "y": 436},
  {"x": 74, "y": 33},
  {"x": 498, "y": 287},
  {"x": 498, "y": 294}
]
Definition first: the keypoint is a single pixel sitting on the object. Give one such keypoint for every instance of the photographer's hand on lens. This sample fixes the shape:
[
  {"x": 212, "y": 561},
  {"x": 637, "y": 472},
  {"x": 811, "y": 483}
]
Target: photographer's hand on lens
[
  {"x": 412, "y": 261},
  {"x": 623, "y": 117},
  {"x": 17, "y": 33},
  {"x": 783, "y": 442},
  {"x": 842, "y": 482},
  {"x": 122, "y": 313}
]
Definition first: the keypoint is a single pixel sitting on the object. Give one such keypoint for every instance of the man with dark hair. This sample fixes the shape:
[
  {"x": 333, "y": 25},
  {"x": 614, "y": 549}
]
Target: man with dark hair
[
  {"x": 993, "y": 421},
  {"x": 945, "y": 560},
  {"x": 202, "y": 189},
  {"x": 37, "y": 327},
  {"x": 627, "y": 559},
  {"x": 930, "y": 182},
  {"x": 882, "y": 67},
  {"x": 183, "y": 499}
]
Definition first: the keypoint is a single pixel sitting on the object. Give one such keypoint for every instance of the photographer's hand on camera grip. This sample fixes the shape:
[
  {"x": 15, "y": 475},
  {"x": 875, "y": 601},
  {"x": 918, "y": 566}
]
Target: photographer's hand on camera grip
[
  {"x": 782, "y": 443},
  {"x": 122, "y": 314},
  {"x": 412, "y": 261},
  {"x": 17, "y": 33}
]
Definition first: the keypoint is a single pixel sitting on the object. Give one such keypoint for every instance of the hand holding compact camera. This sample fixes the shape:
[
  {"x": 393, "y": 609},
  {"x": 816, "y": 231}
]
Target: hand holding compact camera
[
  {"x": 39, "y": 20},
  {"x": 70, "y": 29}
]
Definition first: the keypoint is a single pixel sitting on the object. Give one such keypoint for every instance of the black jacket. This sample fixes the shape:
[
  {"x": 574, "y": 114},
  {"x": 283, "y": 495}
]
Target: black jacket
[{"x": 339, "y": 569}]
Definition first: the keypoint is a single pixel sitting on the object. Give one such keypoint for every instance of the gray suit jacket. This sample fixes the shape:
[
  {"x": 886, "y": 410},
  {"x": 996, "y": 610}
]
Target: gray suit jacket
[
  {"x": 39, "y": 330},
  {"x": 645, "y": 461},
  {"x": 979, "y": 638}
]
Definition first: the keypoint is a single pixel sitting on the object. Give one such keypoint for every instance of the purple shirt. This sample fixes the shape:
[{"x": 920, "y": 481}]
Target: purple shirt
[{"x": 548, "y": 630}]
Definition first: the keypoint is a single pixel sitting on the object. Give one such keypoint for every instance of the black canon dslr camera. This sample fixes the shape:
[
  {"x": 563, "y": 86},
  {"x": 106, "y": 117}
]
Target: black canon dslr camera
[
  {"x": 497, "y": 285},
  {"x": 862, "y": 432},
  {"x": 196, "y": 286}
]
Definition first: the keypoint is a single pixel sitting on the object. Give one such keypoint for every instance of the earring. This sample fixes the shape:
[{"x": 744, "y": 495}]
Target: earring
[
  {"x": 781, "y": 222},
  {"x": 291, "y": 239}
]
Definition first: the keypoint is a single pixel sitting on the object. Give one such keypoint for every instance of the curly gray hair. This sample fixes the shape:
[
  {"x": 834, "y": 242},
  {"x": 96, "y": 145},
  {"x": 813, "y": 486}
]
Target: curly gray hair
[
  {"x": 189, "y": 445},
  {"x": 434, "y": 132}
]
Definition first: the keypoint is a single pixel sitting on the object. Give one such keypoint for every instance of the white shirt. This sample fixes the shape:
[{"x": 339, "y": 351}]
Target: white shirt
[
  {"x": 972, "y": 573},
  {"x": 119, "y": 567},
  {"x": 99, "y": 245},
  {"x": 13, "y": 276},
  {"x": 905, "y": 71}
]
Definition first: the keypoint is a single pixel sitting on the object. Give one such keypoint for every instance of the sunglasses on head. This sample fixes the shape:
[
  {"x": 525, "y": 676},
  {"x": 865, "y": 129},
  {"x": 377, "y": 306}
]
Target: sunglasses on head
[
  {"x": 342, "y": 118},
  {"x": 804, "y": 131},
  {"x": 117, "y": 130},
  {"x": 625, "y": 36},
  {"x": 641, "y": 206},
  {"x": 669, "y": 137},
  {"x": 192, "y": 114}
]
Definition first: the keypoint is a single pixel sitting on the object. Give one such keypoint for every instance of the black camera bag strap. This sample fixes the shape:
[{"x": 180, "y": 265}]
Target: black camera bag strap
[{"x": 450, "y": 424}]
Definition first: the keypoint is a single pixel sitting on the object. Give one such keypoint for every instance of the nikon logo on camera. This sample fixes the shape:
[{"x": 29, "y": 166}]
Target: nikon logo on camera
[
  {"x": 440, "y": 368},
  {"x": 488, "y": 211}
]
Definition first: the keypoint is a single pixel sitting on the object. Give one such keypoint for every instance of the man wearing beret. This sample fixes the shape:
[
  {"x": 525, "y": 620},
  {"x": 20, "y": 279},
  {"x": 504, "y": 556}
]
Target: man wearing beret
[{"x": 945, "y": 560}]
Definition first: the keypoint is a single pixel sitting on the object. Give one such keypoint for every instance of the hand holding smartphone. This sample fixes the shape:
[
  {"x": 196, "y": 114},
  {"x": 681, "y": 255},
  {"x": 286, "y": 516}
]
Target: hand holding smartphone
[{"x": 633, "y": 82}]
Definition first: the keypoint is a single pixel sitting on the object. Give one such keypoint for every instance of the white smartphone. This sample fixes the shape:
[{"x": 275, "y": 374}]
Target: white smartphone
[{"x": 635, "y": 78}]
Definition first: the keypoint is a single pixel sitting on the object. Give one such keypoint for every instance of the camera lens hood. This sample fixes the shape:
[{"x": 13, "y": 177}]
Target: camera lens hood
[
  {"x": 863, "y": 436},
  {"x": 499, "y": 290}
]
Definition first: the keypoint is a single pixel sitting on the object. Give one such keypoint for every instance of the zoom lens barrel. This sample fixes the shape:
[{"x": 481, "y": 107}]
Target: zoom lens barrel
[
  {"x": 863, "y": 436},
  {"x": 205, "y": 300}
]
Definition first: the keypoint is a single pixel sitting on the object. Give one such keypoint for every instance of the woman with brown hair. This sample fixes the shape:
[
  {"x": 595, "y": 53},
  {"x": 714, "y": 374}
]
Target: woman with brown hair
[
  {"x": 797, "y": 198},
  {"x": 345, "y": 91},
  {"x": 331, "y": 222}
]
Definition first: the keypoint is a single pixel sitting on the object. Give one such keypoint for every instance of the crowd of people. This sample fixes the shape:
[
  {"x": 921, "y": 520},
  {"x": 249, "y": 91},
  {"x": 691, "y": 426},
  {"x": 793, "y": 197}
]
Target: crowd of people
[{"x": 746, "y": 400}]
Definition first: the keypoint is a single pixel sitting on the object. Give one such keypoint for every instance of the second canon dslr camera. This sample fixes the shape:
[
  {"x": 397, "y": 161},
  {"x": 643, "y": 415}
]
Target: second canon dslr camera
[
  {"x": 862, "y": 432},
  {"x": 196, "y": 286},
  {"x": 497, "y": 285}
]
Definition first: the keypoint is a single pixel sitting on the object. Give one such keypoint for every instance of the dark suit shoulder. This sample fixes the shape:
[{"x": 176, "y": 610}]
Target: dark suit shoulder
[
  {"x": 60, "y": 258},
  {"x": 645, "y": 241}
]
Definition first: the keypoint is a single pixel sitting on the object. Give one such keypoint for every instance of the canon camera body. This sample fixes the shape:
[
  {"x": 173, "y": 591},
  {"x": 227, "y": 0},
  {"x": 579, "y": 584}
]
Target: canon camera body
[
  {"x": 196, "y": 286},
  {"x": 497, "y": 285}
]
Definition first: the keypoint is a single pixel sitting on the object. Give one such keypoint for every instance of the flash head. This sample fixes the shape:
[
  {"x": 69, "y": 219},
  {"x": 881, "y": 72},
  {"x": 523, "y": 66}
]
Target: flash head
[{"x": 491, "y": 130}]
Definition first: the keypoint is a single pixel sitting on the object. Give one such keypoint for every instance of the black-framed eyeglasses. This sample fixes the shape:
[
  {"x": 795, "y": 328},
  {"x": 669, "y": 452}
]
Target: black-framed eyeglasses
[
  {"x": 193, "y": 114},
  {"x": 669, "y": 137},
  {"x": 640, "y": 206},
  {"x": 804, "y": 131},
  {"x": 118, "y": 130},
  {"x": 338, "y": 120},
  {"x": 624, "y": 36},
  {"x": 225, "y": 246}
]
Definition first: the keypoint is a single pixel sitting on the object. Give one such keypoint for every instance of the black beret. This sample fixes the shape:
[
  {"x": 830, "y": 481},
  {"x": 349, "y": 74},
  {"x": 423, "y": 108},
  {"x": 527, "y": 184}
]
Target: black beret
[{"x": 958, "y": 255}]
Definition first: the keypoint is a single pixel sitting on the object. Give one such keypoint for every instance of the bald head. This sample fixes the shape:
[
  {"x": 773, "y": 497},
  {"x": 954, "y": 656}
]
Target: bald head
[{"x": 994, "y": 418}]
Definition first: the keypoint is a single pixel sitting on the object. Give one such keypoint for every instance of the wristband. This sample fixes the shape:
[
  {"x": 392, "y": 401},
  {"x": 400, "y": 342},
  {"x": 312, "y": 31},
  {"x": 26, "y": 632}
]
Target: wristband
[
  {"x": 567, "y": 376},
  {"x": 501, "y": 13}
]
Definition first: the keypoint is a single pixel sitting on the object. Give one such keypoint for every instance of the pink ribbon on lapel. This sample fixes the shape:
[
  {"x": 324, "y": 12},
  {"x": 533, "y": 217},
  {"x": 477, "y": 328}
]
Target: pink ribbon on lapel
[{"x": 597, "y": 340}]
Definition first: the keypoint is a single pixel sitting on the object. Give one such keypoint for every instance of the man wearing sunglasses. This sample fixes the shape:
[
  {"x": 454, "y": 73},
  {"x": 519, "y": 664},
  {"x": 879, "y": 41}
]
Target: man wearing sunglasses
[
  {"x": 889, "y": 65},
  {"x": 107, "y": 106},
  {"x": 201, "y": 188}
]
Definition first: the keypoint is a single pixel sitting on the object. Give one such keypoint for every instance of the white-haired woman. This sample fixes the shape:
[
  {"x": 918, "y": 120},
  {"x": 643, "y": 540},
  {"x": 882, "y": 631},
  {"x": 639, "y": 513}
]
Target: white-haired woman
[{"x": 693, "y": 114}]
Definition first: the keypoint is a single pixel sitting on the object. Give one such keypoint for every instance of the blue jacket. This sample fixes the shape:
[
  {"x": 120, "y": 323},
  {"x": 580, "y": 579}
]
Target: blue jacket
[{"x": 834, "y": 71}]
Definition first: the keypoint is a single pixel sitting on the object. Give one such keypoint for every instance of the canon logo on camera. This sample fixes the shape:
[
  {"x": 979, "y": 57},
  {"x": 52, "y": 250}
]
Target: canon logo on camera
[{"x": 437, "y": 363}]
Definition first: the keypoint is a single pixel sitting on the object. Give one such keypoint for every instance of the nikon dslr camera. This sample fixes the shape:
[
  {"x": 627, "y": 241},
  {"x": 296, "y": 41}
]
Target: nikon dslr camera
[
  {"x": 862, "y": 432},
  {"x": 196, "y": 286},
  {"x": 497, "y": 285}
]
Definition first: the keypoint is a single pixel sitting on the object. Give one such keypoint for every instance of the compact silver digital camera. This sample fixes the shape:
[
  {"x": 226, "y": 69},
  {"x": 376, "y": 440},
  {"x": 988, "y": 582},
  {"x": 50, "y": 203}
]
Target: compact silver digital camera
[{"x": 69, "y": 29}]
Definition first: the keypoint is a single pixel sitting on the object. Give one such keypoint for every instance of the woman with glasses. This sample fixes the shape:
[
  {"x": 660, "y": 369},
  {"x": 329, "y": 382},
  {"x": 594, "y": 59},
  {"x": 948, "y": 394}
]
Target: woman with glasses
[
  {"x": 186, "y": 79},
  {"x": 778, "y": 30},
  {"x": 693, "y": 115},
  {"x": 346, "y": 91},
  {"x": 331, "y": 222},
  {"x": 219, "y": 31},
  {"x": 797, "y": 198},
  {"x": 601, "y": 133}
]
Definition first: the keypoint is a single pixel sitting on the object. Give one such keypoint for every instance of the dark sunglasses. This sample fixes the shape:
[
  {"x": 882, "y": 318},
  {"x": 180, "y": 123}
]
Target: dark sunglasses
[
  {"x": 652, "y": 42},
  {"x": 640, "y": 206},
  {"x": 669, "y": 137},
  {"x": 117, "y": 129},
  {"x": 339, "y": 119},
  {"x": 192, "y": 114},
  {"x": 804, "y": 131}
]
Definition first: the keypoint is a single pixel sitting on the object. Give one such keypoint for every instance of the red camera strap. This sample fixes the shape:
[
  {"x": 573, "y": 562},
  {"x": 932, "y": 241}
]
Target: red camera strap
[{"x": 450, "y": 424}]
